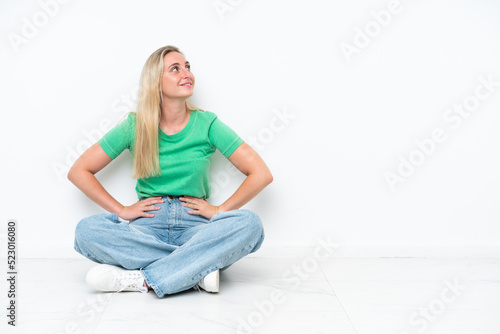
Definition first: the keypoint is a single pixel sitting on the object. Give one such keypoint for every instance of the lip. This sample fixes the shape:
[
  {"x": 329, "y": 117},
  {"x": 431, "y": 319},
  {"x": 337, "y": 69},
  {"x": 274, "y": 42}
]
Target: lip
[{"x": 190, "y": 84}]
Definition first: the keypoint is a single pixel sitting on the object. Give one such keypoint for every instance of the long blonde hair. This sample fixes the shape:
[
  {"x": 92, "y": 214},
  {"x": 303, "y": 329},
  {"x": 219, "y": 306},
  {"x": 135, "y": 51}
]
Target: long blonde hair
[{"x": 146, "y": 147}]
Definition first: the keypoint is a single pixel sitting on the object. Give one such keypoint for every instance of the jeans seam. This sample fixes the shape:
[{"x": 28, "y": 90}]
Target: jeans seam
[
  {"x": 236, "y": 252},
  {"x": 198, "y": 277},
  {"x": 89, "y": 256}
]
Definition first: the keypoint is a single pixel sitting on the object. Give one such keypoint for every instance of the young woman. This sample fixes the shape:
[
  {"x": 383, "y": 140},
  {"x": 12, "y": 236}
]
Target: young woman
[{"x": 172, "y": 239}]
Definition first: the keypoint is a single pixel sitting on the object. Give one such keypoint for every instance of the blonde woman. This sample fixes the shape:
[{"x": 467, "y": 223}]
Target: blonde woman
[{"x": 172, "y": 239}]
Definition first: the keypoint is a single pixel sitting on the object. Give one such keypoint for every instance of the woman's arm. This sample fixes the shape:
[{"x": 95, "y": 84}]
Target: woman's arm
[
  {"x": 258, "y": 177},
  {"x": 249, "y": 162},
  {"x": 82, "y": 175}
]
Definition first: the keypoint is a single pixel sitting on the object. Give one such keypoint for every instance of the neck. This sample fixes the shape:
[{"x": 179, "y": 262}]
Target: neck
[{"x": 173, "y": 112}]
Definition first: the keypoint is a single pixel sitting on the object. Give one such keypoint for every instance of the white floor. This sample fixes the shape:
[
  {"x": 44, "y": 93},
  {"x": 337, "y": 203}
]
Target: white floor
[{"x": 270, "y": 295}]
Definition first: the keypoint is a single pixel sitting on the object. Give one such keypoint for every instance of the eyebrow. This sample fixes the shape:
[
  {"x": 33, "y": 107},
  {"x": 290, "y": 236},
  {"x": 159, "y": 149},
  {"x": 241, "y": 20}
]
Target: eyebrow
[{"x": 187, "y": 63}]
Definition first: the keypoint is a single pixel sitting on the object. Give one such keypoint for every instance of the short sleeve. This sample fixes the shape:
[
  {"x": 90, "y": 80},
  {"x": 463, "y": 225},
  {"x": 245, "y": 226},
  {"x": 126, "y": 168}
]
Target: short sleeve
[
  {"x": 119, "y": 138},
  {"x": 223, "y": 137}
]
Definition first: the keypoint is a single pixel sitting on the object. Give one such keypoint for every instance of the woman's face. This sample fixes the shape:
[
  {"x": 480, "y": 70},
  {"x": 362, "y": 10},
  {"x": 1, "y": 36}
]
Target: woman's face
[{"x": 177, "y": 79}]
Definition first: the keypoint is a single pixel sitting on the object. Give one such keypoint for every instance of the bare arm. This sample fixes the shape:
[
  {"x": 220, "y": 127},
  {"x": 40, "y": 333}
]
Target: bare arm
[
  {"x": 249, "y": 162},
  {"x": 82, "y": 175}
]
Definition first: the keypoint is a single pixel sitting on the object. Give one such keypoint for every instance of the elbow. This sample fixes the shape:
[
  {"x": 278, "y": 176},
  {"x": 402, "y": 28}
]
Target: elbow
[
  {"x": 71, "y": 175},
  {"x": 265, "y": 175},
  {"x": 262, "y": 178},
  {"x": 268, "y": 178},
  {"x": 74, "y": 174}
]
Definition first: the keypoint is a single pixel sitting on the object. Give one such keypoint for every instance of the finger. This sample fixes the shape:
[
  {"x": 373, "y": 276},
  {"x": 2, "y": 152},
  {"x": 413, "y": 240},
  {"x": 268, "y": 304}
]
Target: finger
[
  {"x": 197, "y": 201},
  {"x": 194, "y": 213},
  {"x": 154, "y": 200},
  {"x": 150, "y": 202},
  {"x": 152, "y": 208}
]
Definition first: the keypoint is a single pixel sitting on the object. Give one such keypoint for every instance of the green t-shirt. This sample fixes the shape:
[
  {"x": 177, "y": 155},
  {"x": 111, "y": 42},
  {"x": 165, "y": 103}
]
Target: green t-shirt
[{"x": 184, "y": 157}]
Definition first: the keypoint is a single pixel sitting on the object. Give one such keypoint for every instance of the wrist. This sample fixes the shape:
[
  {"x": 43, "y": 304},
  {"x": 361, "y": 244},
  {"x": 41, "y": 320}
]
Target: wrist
[
  {"x": 221, "y": 208},
  {"x": 120, "y": 209}
]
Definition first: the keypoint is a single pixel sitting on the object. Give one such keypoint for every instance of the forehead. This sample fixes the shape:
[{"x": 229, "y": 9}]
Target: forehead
[{"x": 174, "y": 57}]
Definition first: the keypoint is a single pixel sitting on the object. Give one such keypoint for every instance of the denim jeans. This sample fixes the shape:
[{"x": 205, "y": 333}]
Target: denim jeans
[{"x": 174, "y": 250}]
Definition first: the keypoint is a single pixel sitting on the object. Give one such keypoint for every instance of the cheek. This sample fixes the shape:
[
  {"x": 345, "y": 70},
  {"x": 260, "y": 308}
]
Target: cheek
[{"x": 168, "y": 81}]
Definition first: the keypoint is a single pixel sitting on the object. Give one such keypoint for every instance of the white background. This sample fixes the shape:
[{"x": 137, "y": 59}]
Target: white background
[{"x": 70, "y": 70}]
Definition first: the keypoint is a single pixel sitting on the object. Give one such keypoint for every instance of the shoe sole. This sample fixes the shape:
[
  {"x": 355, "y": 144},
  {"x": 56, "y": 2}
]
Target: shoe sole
[
  {"x": 213, "y": 288},
  {"x": 217, "y": 279}
]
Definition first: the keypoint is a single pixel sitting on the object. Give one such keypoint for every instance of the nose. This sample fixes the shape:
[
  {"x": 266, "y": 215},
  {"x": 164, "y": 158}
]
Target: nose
[{"x": 186, "y": 73}]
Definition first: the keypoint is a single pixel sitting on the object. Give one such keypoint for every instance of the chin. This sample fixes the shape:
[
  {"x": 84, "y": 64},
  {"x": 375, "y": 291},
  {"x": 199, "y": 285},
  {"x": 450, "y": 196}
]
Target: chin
[
  {"x": 188, "y": 95},
  {"x": 183, "y": 95}
]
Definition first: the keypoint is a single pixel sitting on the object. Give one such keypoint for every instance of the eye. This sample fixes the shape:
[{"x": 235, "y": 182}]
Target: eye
[
  {"x": 175, "y": 69},
  {"x": 188, "y": 67}
]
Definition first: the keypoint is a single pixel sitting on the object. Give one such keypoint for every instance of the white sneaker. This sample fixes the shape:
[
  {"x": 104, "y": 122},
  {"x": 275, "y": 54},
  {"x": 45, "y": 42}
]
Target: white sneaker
[
  {"x": 105, "y": 277},
  {"x": 209, "y": 283}
]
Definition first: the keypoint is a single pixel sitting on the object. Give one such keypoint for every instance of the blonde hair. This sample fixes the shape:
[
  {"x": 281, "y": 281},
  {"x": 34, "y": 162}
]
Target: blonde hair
[{"x": 146, "y": 146}]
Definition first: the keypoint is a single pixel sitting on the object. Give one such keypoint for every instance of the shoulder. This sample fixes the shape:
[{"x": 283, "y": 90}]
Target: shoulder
[
  {"x": 126, "y": 124},
  {"x": 206, "y": 116},
  {"x": 131, "y": 117},
  {"x": 128, "y": 121}
]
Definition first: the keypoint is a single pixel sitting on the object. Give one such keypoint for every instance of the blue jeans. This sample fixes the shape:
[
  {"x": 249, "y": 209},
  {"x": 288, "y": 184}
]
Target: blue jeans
[{"x": 174, "y": 250}]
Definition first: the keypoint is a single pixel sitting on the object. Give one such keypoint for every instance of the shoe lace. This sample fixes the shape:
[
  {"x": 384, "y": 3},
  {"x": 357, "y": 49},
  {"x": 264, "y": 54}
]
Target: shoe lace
[
  {"x": 197, "y": 286},
  {"x": 130, "y": 281}
]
